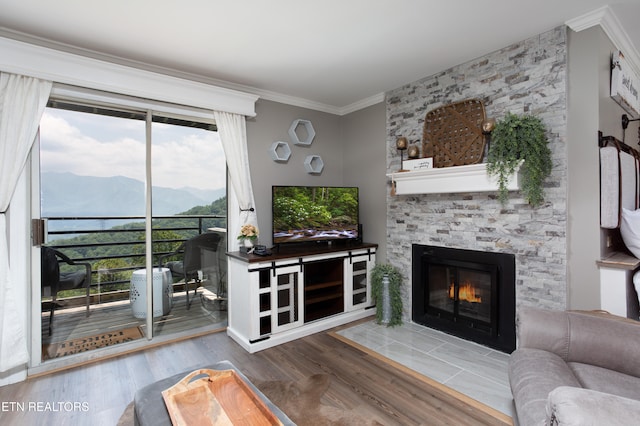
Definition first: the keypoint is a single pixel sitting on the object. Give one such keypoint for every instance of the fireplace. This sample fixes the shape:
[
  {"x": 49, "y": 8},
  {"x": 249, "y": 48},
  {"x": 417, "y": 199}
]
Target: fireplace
[{"x": 467, "y": 293}]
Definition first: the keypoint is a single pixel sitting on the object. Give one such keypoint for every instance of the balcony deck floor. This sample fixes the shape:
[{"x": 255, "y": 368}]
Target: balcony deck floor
[{"x": 73, "y": 323}]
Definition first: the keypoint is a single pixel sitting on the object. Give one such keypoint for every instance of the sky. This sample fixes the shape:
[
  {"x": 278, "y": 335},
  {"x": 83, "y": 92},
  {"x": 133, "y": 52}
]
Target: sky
[{"x": 96, "y": 145}]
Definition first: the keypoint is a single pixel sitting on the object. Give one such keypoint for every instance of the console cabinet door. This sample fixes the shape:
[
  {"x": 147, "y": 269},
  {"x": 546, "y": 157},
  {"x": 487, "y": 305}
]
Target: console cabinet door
[
  {"x": 286, "y": 298},
  {"x": 358, "y": 286},
  {"x": 264, "y": 304}
]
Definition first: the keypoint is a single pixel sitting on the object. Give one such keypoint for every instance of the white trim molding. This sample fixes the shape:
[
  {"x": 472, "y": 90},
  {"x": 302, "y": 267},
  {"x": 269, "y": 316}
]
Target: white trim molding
[
  {"x": 362, "y": 104},
  {"x": 612, "y": 27},
  {"x": 68, "y": 68}
]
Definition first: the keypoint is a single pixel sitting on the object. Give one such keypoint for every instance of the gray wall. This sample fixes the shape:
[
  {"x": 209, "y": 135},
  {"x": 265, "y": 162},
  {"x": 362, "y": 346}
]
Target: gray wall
[
  {"x": 583, "y": 233},
  {"x": 590, "y": 109},
  {"x": 271, "y": 124},
  {"x": 352, "y": 148},
  {"x": 365, "y": 167}
]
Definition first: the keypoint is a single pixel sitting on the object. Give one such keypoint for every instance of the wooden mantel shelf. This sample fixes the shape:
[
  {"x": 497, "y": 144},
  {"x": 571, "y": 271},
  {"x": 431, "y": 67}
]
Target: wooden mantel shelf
[{"x": 470, "y": 178}]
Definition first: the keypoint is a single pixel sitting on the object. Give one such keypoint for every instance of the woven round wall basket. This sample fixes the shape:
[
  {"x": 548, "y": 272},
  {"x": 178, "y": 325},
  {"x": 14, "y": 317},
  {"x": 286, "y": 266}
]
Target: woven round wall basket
[{"x": 453, "y": 134}]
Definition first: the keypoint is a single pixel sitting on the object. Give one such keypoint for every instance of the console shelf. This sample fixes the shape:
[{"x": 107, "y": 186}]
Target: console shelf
[{"x": 297, "y": 291}]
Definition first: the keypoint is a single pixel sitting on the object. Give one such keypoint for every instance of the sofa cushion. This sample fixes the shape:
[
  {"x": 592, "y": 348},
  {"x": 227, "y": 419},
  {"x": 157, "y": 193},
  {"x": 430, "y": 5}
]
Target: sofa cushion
[
  {"x": 569, "y": 406},
  {"x": 630, "y": 230},
  {"x": 533, "y": 373},
  {"x": 604, "y": 380}
]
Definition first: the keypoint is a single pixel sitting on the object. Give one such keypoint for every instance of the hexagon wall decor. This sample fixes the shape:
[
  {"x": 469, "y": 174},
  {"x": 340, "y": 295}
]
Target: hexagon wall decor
[
  {"x": 313, "y": 164},
  {"x": 280, "y": 152},
  {"x": 308, "y": 127}
]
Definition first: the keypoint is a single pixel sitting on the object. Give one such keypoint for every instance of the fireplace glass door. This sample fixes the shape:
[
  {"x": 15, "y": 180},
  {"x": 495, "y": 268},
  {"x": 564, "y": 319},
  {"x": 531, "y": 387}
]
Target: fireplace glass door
[
  {"x": 467, "y": 293},
  {"x": 461, "y": 292}
]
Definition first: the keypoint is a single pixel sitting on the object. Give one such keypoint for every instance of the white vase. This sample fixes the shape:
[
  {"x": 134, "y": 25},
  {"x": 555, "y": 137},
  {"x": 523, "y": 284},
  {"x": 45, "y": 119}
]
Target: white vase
[{"x": 248, "y": 243}]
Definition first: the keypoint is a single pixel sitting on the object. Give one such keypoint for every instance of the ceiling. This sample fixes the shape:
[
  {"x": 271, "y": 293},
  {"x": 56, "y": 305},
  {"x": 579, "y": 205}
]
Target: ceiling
[{"x": 329, "y": 54}]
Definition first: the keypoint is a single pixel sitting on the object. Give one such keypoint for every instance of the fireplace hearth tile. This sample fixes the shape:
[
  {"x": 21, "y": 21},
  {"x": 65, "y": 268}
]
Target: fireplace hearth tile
[
  {"x": 410, "y": 335},
  {"x": 430, "y": 366},
  {"x": 473, "y": 358},
  {"x": 449, "y": 363},
  {"x": 498, "y": 396}
]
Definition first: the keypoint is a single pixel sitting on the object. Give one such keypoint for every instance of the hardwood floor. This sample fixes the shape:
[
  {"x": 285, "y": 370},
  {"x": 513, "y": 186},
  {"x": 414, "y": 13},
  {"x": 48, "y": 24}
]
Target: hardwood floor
[{"x": 98, "y": 393}]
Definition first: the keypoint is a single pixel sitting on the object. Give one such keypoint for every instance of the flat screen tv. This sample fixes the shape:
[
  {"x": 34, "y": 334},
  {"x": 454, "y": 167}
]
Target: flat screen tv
[{"x": 314, "y": 213}]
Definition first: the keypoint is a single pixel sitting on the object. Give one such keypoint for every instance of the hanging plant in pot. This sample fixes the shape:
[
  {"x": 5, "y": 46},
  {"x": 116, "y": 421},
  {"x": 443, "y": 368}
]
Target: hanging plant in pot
[
  {"x": 516, "y": 138},
  {"x": 386, "y": 281}
]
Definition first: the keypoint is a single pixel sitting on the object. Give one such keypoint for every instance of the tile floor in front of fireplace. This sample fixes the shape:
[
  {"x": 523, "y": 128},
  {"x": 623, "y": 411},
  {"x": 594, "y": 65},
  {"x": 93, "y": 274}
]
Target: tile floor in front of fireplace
[{"x": 474, "y": 370}]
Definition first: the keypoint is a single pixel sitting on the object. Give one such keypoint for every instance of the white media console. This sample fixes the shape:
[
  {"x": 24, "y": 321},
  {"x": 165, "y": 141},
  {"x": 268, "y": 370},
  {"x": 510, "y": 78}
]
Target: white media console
[{"x": 297, "y": 291}]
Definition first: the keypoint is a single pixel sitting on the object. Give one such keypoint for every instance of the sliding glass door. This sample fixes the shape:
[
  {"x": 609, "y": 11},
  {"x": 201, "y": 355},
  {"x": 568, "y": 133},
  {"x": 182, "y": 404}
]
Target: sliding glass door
[{"x": 117, "y": 194}]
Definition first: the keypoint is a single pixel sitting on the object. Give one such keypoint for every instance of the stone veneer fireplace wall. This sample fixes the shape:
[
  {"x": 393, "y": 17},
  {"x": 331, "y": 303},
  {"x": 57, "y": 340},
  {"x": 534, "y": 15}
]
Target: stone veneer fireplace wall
[{"x": 527, "y": 77}]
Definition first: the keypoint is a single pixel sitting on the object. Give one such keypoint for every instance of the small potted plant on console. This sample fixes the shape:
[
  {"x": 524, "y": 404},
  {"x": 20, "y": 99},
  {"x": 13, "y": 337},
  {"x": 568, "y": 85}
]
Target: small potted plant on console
[{"x": 248, "y": 236}]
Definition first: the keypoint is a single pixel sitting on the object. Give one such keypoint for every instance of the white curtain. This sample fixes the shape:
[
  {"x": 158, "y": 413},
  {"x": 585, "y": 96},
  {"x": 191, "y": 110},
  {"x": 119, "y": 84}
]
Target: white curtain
[
  {"x": 233, "y": 134},
  {"x": 22, "y": 102}
]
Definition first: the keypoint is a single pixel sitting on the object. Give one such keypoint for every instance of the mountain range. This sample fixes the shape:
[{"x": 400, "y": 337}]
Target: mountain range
[{"x": 70, "y": 195}]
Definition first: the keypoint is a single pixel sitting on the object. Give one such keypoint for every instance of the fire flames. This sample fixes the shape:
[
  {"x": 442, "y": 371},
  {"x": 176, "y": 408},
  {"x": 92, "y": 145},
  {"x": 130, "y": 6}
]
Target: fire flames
[{"x": 466, "y": 292}]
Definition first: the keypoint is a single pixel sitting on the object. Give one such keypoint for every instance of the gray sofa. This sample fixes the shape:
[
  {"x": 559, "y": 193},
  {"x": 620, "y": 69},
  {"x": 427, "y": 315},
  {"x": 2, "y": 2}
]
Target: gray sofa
[{"x": 575, "y": 368}]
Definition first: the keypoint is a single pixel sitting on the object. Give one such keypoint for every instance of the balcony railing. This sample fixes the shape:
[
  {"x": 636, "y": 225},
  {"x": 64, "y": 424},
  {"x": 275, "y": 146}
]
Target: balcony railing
[{"x": 115, "y": 247}]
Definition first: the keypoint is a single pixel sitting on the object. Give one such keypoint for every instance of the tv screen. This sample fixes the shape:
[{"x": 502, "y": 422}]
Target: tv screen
[{"x": 314, "y": 213}]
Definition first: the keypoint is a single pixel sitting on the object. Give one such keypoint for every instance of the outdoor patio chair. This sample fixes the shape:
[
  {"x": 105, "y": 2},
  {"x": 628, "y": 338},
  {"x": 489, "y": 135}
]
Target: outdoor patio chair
[
  {"x": 56, "y": 280},
  {"x": 199, "y": 258}
]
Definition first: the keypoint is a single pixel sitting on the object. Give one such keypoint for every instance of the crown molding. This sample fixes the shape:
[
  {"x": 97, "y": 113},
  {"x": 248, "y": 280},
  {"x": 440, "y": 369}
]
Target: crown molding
[
  {"x": 301, "y": 102},
  {"x": 362, "y": 104},
  {"x": 60, "y": 66},
  {"x": 588, "y": 20},
  {"x": 317, "y": 106},
  {"x": 263, "y": 94},
  {"x": 293, "y": 100},
  {"x": 612, "y": 27}
]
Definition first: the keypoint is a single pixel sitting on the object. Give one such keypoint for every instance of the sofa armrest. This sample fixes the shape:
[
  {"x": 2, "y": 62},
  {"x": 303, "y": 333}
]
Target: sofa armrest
[
  {"x": 567, "y": 406},
  {"x": 543, "y": 329}
]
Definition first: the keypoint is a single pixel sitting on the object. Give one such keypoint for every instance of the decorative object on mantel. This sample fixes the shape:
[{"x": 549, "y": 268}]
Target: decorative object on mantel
[
  {"x": 386, "y": 281},
  {"x": 418, "y": 164},
  {"x": 413, "y": 152},
  {"x": 401, "y": 145},
  {"x": 302, "y": 139},
  {"x": 487, "y": 127},
  {"x": 414, "y": 162},
  {"x": 454, "y": 134},
  {"x": 516, "y": 138}
]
